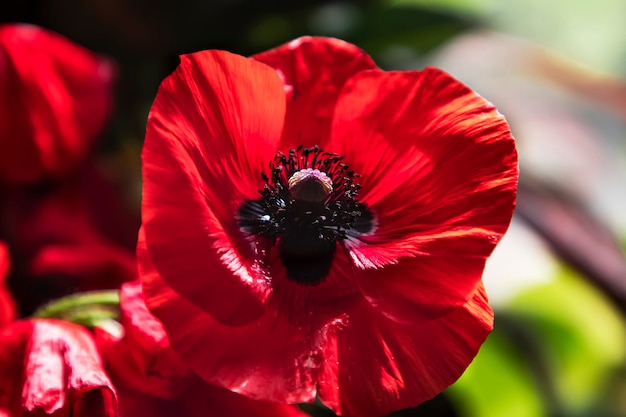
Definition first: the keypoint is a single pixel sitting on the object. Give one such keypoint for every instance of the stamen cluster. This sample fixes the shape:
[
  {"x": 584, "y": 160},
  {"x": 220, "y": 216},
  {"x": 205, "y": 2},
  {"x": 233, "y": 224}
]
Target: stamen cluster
[{"x": 306, "y": 231}]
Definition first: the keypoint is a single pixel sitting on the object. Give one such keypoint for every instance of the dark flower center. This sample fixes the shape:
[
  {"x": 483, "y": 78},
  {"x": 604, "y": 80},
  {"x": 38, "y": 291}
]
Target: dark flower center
[{"x": 308, "y": 203}]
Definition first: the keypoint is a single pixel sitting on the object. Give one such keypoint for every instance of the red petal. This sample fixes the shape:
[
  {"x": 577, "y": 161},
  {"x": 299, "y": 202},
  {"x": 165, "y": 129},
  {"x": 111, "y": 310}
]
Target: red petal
[
  {"x": 58, "y": 236},
  {"x": 204, "y": 399},
  {"x": 214, "y": 126},
  {"x": 375, "y": 365},
  {"x": 55, "y": 96},
  {"x": 264, "y": 359},
  {"x": 421, "y": 288},
  {"x": 314, "y": 70},
  {"x": 201, "y": 400},
  {"x": 7, "y": 305},
  {"x": 438, "y": 168},
  {"x": 48, "y": 366},
  {"x": 142, "y": 359},
  {"x": 5, "y": 261},
  {"x": 274, "y": 359},
  {"x": 8, "y": 309},
  {"x": 134, "y": 403},
  {"x": 146, "y": 363},
  {"x": 103, "y": 264}
]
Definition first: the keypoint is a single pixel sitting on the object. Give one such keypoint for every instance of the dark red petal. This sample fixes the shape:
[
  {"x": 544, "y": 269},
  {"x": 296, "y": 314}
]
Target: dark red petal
[
  {"x": 214, "y": 125},
  {"x": 324, "y": 301},
  {"x": 313, "y": 69},
  {"x": 49, "y": 366},
  {"x": 58, "y": 237},
  {"x": 7, "y": 305},
  {"x": 159, "y": 377},
  {"x": 268, "y": 359},
  {"x": 103, "y": 263},
  {"x": 438, "y": 168},
  {"x": 55, "y": 96},
  {"x": 204, "y": 399},
  {"x": 135, "y": 403},
  {"x": 201, "y": 400},
  {"x": 375, "y": 365},
  {"x": 140, "y": 357},
  {"x": 147, "y": 335},
  {"x": 5, "y": 261}
]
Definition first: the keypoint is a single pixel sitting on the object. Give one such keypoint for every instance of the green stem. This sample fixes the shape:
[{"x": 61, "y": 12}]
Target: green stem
[{"x": 86, "y": 308}]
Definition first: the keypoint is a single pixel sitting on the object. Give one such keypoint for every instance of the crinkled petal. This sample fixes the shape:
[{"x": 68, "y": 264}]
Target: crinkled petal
[
  {"x": 438, "y": 169},
  {"x": 375, "y": 365},
  {"x": 139, "y": 357},
  {"x": 152, "y": 377},
  {"x": 313, "y": 69},
  {"x": 213, "y": 127},
  {"x": 52, "y": 366},
  {"x": 55, "y": 96},
  {"x": 269, "y": 358},
  {"x": 421, "y": 287}
]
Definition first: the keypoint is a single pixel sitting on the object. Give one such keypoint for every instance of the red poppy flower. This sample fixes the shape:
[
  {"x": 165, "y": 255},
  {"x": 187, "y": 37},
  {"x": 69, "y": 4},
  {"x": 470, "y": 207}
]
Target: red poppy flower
[
  {"x": 7, "y": 305},
  {"x": 55, "y": 97},
  {"x": 50, "y": 367},
  {"x": 152, "y": 381},
  {"x": 313, "y": 224}
]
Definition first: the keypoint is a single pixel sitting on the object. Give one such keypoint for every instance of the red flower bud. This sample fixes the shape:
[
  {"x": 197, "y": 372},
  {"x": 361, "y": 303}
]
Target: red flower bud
[{"x": 55, "y": 97}]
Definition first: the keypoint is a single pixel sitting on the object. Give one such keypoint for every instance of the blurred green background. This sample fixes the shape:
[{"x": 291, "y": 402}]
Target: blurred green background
[{"x": 555, "y": 69}]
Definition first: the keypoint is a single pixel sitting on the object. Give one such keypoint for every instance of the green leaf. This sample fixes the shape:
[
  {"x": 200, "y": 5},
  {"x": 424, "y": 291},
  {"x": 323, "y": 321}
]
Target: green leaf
[
  {"x": 498, "y": 383},
  {"x": 583, "y": 336},
  {"x": 555, "y": 350},
  {"x": 470, "y": 7},
  {"x": 381, "y": 30},
  {"x": 86, "y": 308}
]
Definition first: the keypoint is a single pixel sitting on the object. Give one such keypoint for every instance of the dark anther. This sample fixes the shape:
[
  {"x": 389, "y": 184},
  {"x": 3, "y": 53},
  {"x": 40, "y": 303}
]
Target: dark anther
[{"x": 307, "y": 205}]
